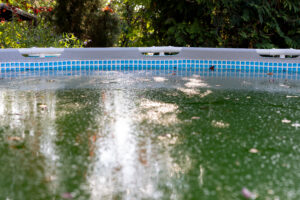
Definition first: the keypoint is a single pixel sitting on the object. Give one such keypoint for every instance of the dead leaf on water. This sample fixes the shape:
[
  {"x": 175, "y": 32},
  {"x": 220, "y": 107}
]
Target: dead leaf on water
[
  {"x": 43, "y": 107},
  {"x": 286, "y": 121},
  {"x": 14, "y": 138},
  {"x": 67, "y": 195},
  {"x": 253, "y": 150}
]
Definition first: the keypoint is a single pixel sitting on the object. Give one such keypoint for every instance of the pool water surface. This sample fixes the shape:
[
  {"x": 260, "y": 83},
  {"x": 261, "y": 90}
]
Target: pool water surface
[{"x": 133, "y": 136}]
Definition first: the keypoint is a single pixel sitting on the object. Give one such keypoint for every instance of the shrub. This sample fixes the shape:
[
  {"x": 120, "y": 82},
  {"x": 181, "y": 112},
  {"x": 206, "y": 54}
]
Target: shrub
[
  {"x": 87, "y": 20},
  {"x": 16, "y": 34}
]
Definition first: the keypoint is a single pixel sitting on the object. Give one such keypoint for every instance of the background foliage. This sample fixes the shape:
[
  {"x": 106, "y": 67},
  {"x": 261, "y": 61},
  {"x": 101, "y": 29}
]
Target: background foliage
[
  {"x": 224, "y": 23},
  {"x": 88, "y": 20},
  {"x": 22, "y": 34},
  {"x": 207, "y": 23}
]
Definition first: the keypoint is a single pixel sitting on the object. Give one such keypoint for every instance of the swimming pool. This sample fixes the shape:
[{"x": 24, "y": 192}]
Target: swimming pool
[
  {"x": 175, "y": 129},
  {"x": 277, "y": 63}
]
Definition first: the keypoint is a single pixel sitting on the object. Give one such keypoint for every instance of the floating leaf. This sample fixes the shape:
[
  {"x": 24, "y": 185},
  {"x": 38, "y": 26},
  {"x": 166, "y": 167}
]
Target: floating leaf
[
  {"x": 67, "y": 195},
  {"x": 14, "y": 138},
  {"x": 286, "y": 121},
  {"x": 248, "y": 194},
  {"x": 253, "y": 150}
]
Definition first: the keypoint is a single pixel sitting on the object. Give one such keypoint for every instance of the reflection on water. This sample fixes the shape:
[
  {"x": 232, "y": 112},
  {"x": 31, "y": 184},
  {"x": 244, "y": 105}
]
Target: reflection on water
[
  {"x": 148, "y": 138},
  {"x": 121, "y": 167}
]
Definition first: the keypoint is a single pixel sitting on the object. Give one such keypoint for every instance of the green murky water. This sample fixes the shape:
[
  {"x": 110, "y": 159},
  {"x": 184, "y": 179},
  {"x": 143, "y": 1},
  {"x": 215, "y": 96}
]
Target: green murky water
[{"x": 149, "y": 138}]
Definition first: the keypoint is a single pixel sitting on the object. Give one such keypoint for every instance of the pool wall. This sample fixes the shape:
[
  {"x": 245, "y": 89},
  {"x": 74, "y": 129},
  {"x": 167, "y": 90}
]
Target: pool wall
[{"x": 118, "y": 59}]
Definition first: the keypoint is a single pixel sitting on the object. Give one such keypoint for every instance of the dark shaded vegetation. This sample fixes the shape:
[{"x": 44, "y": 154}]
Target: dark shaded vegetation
[{"x": 126, "y": 23}]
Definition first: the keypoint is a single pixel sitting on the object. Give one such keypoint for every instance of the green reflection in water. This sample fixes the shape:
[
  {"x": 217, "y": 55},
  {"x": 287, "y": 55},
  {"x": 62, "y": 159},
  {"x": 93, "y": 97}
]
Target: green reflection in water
[
  {"x": 148, "y": 143},
  {"x": 215, "y": 138},
  {"x": 75, "y": 125}
]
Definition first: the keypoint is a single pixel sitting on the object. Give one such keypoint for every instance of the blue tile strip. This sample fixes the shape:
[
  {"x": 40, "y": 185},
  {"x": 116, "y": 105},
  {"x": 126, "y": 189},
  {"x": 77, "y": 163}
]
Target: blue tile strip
[{"x": 132, "y": 65}]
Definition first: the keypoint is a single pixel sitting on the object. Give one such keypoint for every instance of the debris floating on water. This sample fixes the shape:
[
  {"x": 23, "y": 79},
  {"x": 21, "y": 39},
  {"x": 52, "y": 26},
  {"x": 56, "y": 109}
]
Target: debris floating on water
[
  {"x": 248, "y": 194},
  {"x": 219, "y": 124},
  {"x": 296, "y": 125},
  {"x": 67, "y": 195},
  {"x": 292, "y": 96},
  {"x": 286, "y": 121},
  {"x": 14, "y": 138},
  {"x": 159, "y": 79},
  {"x": 43, "y": 107},
  {"x": 253, "y": 150}
]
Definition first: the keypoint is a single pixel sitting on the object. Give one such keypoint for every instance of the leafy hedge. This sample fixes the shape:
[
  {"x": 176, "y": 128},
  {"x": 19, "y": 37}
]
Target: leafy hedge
[
  {"x": 224, "y": 23},
  {"x": 22, "y": 34}
]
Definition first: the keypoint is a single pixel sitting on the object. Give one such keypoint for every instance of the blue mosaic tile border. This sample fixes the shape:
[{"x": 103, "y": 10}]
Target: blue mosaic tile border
[{"x": 131, "y": 65}]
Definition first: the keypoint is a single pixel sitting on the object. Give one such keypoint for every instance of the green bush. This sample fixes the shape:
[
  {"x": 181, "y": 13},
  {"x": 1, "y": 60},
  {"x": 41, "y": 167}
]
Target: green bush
[
  {"x": 87, "y": 20},
  {"x": 17, "y": 34},
  {"x": 223, "y": 23}
]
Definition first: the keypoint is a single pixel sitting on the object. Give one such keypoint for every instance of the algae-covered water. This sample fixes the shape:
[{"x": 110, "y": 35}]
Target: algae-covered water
[{"x": 149, "y": 137}]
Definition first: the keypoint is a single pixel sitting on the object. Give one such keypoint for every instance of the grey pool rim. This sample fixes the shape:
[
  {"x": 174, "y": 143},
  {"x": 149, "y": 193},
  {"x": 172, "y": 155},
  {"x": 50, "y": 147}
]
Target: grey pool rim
[{"x": 170, "y": 58}]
